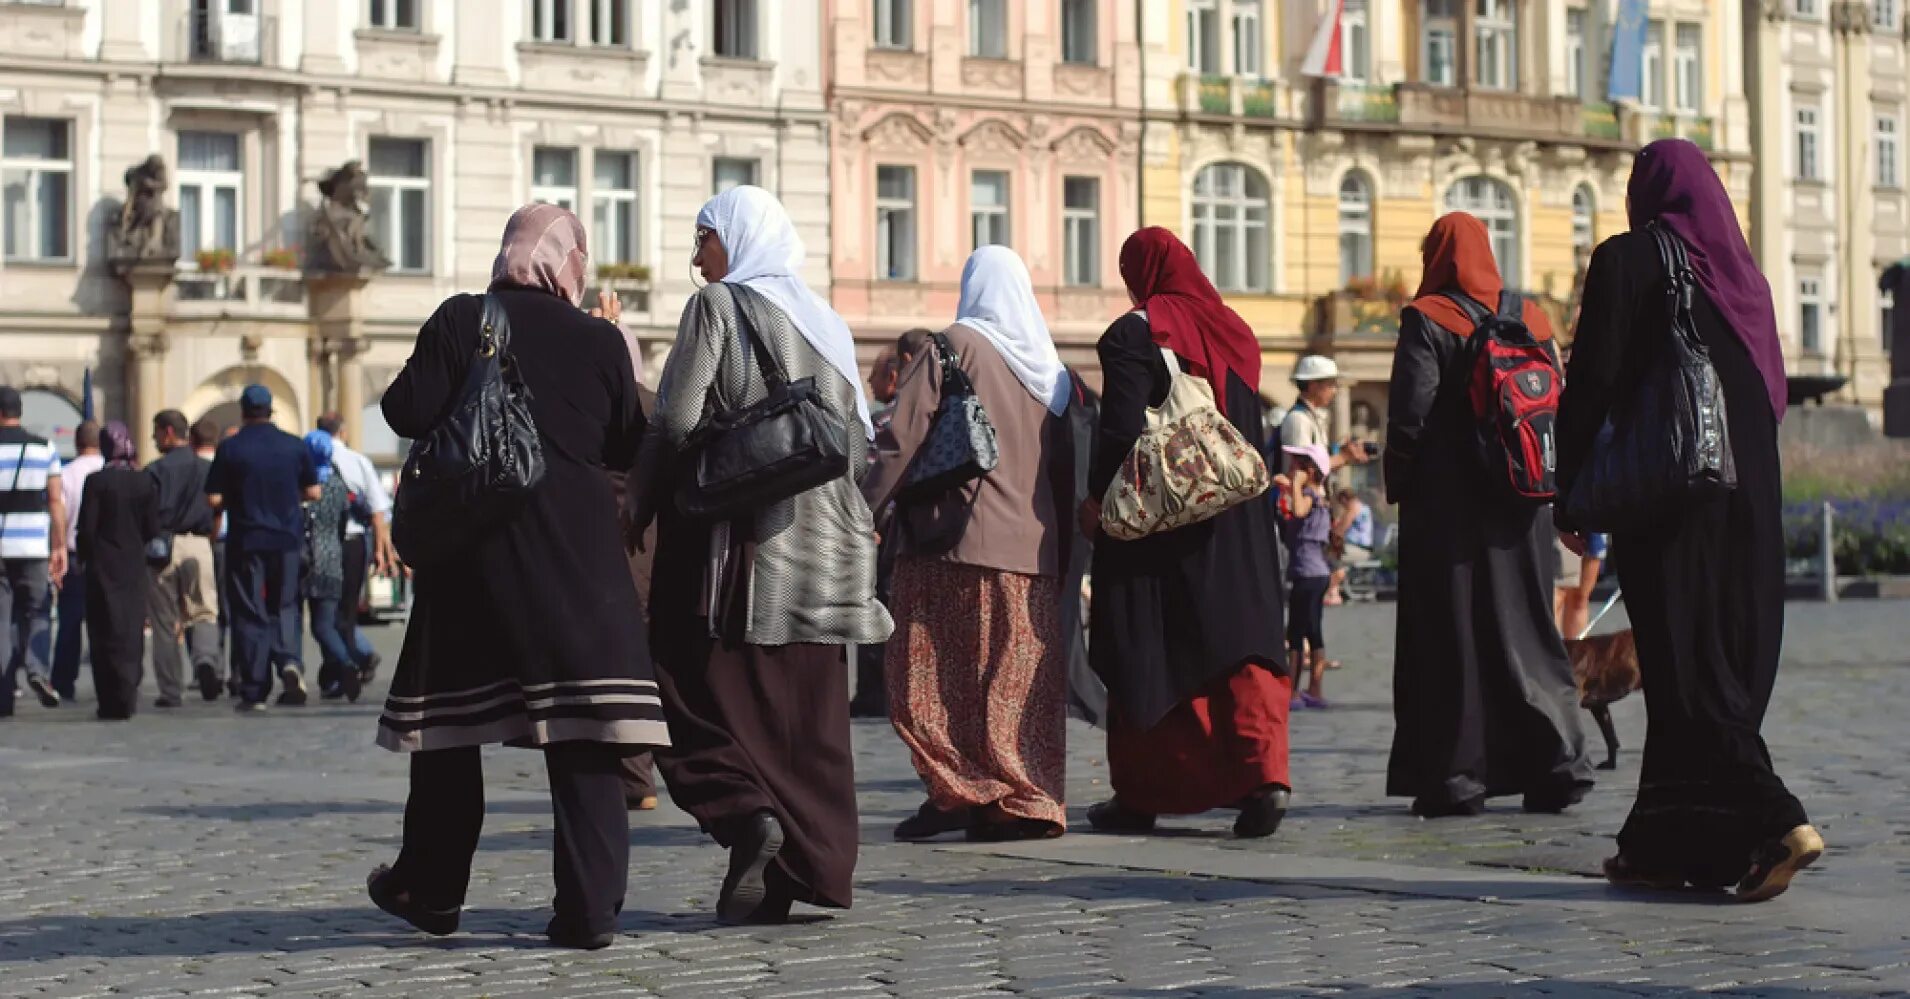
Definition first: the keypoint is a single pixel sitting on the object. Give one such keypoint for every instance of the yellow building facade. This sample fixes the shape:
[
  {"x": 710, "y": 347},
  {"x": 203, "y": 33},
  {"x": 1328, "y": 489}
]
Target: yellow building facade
[{"x": 1307, "y": 199}]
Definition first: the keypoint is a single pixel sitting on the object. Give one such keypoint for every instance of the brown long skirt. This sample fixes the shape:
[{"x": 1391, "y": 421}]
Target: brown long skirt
[{"x": 767, "y": 727}]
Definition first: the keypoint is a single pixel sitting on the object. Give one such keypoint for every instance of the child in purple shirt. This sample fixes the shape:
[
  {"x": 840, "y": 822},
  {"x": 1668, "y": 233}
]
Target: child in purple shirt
[{"x": 1306, "y": 525}]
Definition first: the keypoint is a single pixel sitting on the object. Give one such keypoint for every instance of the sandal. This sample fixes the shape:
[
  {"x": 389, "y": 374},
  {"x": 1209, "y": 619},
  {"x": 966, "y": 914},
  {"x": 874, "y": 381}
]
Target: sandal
[
  {"x": 1778, "y": 861},
  {"x": 386, "y": 895}
]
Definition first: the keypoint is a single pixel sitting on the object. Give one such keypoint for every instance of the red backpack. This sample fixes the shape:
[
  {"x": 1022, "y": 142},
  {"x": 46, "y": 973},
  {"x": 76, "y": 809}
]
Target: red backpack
[{"x": 1514, "y": 392}]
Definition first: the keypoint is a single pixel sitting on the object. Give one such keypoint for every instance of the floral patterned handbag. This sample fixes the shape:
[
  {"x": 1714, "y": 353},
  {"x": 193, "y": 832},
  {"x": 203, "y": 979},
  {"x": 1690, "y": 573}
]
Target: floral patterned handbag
[
  {"x": 960, "y": 446},
  {"x": 1189, "y": 465}
]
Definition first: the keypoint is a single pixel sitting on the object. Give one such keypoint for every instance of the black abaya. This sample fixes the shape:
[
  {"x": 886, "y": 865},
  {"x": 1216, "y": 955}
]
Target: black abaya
[
  {"x": 1483, "y": 697},
  {"x": 1704, "y": 588},
  {"x": 118, "y": 514}
]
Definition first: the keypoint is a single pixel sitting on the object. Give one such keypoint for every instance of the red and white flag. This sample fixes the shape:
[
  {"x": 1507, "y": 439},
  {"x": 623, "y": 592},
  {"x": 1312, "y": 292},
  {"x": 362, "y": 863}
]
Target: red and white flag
[{"x": 1324, "y": 57}]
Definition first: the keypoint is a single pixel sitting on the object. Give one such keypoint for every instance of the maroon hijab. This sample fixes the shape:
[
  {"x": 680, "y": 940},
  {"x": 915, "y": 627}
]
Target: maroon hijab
[
  {"x": 1186, "y": 314},
  {"x": 1672, "y": 183}
]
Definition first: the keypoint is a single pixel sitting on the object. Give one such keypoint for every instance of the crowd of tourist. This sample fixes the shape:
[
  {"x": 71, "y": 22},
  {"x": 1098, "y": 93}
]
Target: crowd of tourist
[{"x": 952, "y": 537}]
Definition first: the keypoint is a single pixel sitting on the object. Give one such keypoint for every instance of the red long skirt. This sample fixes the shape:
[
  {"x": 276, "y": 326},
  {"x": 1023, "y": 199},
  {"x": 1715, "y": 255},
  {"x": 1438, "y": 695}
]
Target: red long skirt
[{"x": 1210, "y": 751}]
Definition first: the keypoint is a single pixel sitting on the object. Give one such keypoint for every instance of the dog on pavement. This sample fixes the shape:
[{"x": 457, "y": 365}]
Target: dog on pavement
[{"x": 1605, "y": 668}]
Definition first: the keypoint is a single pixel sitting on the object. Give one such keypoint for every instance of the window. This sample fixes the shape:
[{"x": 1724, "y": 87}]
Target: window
[
  {"x": 1203, "y": 36},
  {"x": 893, "y": 28},
  {"x": 613, "y": 208},
  {"x": 550, "y": 21},
  {"x": 395, "y": 15},
  {"x": 211, "y": 182},
  {"x": 1810, "y": 316},
  {"x": 1356, "y": 228},
  {"x": 1687, "y": 73},
  {"x": 1575, "y": 83},
  {"x": 1230, "y": 227},
  {"x": 1492, "y": 202},
  {"x": 1584, "y": 229},
  {"x": 1247, "y": 37},
  {"x": 727, "y": 172},
  {"x": 1440, "y": 59},
  {"x": 1081, "y": 231},
  {"x": 1887, "y": 175},
  {"x": 400, "y": 201},
  {"x": 988, "y": 207},
  {"x": 988, "y": 29},
  {"x": 609, "y": 22},
  {"x": 554, "y": 176},
  {"x": 1807, "y": 168},
  {"x": 36, "y": 172},
  {"x": 1080, "y": 43},
  {"x": 1651, "y": 91},
  {"x": 1356, "y": 41},
  {"x": 1496, "y": 34},
  {"x": 1883, "y": 15},
  {"x": 735, "y": 29},
  {"x": 1804, "y": 8},
  {"x": 895, "y": 223}
]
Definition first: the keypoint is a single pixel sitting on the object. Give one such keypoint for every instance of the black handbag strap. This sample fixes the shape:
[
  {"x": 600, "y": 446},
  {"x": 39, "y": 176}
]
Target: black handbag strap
[
  {"x": 1680, "y": 281},
  {"x": 953, "y": 377},
  {"x": 773, "y": 372}
]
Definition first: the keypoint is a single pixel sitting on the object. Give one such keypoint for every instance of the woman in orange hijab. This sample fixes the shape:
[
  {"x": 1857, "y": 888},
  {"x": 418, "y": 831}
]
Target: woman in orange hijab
[{"x": 1482, "y": 690}]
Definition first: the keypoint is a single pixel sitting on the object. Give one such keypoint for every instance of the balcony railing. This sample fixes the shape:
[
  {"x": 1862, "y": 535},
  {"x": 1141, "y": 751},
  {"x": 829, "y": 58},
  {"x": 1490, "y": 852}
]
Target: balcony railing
[
  {"x": 1257, "y": 100},
  {"x": 231, "y": 39},
  {"x": 1363, "y": 102},
  {"x": 1702, "y": 131},
  {"x": 265, "y": 290},
  {"x": 1600, "y": 121},
  {"x": 1231, "y": 96},
  {"x": 1216, "y": 96}
]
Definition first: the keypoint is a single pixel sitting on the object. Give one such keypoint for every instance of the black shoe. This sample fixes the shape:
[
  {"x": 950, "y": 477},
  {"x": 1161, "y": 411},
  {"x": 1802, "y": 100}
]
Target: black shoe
[
  {"x": 294, "y": 694},
  {"x": 350, "y": 684},
  {"x": 371, "y": 668},
  {"x": 1014, "y": 830},
  {"x": 335, "y": 692},
  {"x": 208, "y": 681},
  {"x": 755, "y": 846},
  {"x": 387, "y": 896},
  {"x": 561, "y": 934},
  {"x": 1552, "y": 801},
  {"x": 929, "y": 822},
  {"x": 168, "y": 702},
  {"x": 1261, "y": 813},
  {"x": 1111, "y": 816},
  {"x": 1442, "y": 808},
  {"x": 49, "y": 698}
]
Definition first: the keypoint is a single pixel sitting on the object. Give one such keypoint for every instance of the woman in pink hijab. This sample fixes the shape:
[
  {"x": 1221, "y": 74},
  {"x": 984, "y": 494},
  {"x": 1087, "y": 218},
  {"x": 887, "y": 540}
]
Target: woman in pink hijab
[{"x": 526, "y": 636}]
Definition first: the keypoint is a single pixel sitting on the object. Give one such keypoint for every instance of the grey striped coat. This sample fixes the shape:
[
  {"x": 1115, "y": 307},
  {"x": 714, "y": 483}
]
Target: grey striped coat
[{"x": 813, "y": 579}]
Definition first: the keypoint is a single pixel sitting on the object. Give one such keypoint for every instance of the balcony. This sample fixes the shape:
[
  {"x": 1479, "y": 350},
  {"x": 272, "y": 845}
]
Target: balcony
[
  {"x": 1600, "y": 121},
  {"x": 1498, "y": 113},
  {"x": 219, "y": 38},
  {"x": 242, "y": 290},
  {"x": 1229, "y": 96},
  {"x": 1702, "y": 131}
]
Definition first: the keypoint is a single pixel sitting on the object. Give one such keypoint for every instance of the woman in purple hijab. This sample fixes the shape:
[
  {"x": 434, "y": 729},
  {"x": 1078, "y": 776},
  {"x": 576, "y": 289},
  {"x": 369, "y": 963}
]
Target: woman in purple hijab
[{"x": 1704, "y": 586}]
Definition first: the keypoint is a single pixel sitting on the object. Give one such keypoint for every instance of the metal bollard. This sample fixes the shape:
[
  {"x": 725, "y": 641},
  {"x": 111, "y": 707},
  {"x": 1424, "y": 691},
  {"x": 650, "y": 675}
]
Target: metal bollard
[{"x": 1828, "y": 551}]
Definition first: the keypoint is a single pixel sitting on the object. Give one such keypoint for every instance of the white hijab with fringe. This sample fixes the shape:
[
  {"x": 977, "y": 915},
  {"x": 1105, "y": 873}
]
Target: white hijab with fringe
[{"x": 998, "y": 301}]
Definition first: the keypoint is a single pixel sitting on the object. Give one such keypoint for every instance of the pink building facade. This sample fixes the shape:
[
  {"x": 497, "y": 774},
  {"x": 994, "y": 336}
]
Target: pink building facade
[{"x": 957, "y": 123}]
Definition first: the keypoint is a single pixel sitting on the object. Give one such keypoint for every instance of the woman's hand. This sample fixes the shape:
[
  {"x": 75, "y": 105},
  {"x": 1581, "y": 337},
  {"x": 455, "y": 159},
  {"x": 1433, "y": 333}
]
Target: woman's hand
[
  {"x": 638, "y": 512},
  {"x": 609, "y": 306},
  {"x": 1089, "y": 516}
]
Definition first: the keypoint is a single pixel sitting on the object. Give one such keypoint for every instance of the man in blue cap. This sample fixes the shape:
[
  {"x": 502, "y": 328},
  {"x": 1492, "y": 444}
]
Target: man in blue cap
[{"x": 260, "y": 476}]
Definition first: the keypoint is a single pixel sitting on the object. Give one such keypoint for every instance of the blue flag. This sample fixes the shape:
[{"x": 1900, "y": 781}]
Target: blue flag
[
  {"x": 86, "y": 396},
  {"x": 1627, "y": 80}
]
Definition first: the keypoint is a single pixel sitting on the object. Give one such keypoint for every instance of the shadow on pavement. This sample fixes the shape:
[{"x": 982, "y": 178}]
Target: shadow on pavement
[{"x": 1180, "y": 888}]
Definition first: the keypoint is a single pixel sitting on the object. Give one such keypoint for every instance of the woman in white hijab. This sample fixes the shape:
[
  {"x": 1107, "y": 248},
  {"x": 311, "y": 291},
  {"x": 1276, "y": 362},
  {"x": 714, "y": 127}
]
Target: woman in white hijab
[
  {"x": 749, "y": 617},
  {"x": 978, "y": 667}
]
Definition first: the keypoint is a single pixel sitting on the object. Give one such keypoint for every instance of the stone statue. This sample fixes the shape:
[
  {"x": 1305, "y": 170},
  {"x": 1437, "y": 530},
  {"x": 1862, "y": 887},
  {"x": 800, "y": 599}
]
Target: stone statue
[
  {"x": 340, "y": 236},
  {"x": 147, "y": 231}
]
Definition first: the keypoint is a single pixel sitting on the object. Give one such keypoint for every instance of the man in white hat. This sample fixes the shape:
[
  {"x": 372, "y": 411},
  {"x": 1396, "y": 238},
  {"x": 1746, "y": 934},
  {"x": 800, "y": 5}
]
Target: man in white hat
[{"x": 1307, "y": 422}]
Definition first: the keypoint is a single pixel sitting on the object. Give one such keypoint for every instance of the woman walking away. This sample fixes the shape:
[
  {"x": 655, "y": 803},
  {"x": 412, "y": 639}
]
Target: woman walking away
[
  {"x": 1185, "y": 628},
  {"x": 119, "y": 514},
  {"x": 324, "y": 582},
  {"x": 1306, "y": 525},
  {"x": 978, "y": 668},
  {"x": 525, "y": 634},
  {"x": 751, "y": 615},
  {"x": 1482, "y": 690},
  {"x": 1704, "y": 584}
]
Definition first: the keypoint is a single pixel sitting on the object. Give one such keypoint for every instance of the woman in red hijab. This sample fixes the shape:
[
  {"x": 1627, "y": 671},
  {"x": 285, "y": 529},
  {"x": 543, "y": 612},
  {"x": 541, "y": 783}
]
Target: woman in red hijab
[
  {"x": 1483, "y": 698},
  {"x": 1186, "y": 624}
]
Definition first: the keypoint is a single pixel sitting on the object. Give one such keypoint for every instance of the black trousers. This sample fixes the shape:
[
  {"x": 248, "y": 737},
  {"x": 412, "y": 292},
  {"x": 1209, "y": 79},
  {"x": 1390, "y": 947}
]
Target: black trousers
[
  {"x": 445, "y": 814},
  {"x": 1306, "y": 614}
]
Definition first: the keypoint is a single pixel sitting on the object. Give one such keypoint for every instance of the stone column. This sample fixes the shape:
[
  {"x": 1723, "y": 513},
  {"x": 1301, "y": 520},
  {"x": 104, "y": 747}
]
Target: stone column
[
  {"x": 151, "y": 284},
  {"x": 338, "y": 331}
]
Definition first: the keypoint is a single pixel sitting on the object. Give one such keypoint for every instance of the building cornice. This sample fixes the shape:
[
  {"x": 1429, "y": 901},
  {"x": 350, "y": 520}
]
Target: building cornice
[{"x": 877, "y": 95}]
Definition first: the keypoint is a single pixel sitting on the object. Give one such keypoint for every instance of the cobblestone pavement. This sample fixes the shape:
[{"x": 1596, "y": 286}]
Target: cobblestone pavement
[{"x": 207, "y": 854}]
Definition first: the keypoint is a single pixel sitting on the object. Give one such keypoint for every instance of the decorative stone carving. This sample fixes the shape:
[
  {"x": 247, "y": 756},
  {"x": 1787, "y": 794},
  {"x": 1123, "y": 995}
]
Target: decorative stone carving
[
  {"x": 904, "y": 69},
  {"x": 898, "y": 133},
  {"x": 1085, "y": 145},
  {"x": 147, "y": 231},
  {"x": 1085, "y": 82},
  {"x": 340, "y": 235},
  {"x": 1001, "y": 75},
  {"x": 993, "y": 135}
]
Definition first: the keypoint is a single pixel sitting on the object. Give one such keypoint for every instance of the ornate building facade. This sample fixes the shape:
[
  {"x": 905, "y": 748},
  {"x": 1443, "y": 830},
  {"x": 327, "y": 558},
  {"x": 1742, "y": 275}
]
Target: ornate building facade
[
  {"x": 631, "y": 112},
  {"x": 958, "y": 123}
]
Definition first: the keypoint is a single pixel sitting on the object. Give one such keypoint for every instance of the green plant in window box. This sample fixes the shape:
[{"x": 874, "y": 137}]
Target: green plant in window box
[
  {"x": 639, "y": 273},
  {"x": 219, "y": 261},
  {"x": 280, "y": 257}
]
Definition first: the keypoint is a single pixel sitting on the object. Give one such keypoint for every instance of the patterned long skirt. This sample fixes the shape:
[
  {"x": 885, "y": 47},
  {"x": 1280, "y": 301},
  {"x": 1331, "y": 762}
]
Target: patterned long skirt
[{"x": 978, "y": 686}]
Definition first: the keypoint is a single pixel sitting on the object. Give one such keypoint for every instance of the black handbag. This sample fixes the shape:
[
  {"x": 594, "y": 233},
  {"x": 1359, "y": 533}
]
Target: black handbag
[
  {"x": 479, "y": 464},
  {"x": 960, "y": 446},
  {"x": 749, "y": 458},
  {"x": 1669, "y": 442}
]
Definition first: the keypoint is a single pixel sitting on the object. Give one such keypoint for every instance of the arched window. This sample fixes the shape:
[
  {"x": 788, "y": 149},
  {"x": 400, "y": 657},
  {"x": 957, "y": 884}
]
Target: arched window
[
  {"x": 1356, "y": 227},
  {"x": 1230, "y": 226},
  {"x": 1492, "y": 202},
  {"x": 1584, "y": 232}
]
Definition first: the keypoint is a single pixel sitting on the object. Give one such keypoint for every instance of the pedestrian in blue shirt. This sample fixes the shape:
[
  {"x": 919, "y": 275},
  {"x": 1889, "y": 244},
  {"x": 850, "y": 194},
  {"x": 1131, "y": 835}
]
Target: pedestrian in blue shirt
[{"x": 260, "y": 477}]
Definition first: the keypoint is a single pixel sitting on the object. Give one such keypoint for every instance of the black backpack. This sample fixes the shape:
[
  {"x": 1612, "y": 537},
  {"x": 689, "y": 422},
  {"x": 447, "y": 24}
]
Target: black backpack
[{"x": 479, "y": 464}]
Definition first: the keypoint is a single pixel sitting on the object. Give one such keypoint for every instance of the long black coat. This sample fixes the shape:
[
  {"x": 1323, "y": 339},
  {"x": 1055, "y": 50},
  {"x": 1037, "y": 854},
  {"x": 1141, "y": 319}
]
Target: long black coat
[
  {"x": 531, "y": 634},
  {"x": 1177, "y": 609},
  {"x": 1483, "y": 699},
  {"x": 119, "y": 513}
]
